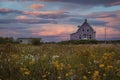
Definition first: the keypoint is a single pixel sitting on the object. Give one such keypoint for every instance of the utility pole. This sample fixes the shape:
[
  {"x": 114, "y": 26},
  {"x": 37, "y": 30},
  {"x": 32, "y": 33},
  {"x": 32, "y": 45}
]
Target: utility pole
[{"x": 105, "y": 35}]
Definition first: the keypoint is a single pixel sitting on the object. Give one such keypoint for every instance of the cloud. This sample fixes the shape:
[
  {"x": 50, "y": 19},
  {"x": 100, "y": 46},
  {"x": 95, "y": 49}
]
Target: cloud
[
  {"x": 111, "y": 33},
  {"x": 110, "y": 18},
  {"x": 26, "y": 21},
  {"x": 22, "y": 17},
  {"x": 7, "y": 33},
  {"x": 53, "y": 32},
  {"x": 7, "y": 11},
  {"x": 81, "y": 2},
  {"x": 52, "y": 29},
  {"x": 47, "y": 14},
  {"x": 42, "y": 14},
  {"x": 90, "y": 2},
  {"x": 114, "y": 3},
  {"x": 36, "y": 6}
]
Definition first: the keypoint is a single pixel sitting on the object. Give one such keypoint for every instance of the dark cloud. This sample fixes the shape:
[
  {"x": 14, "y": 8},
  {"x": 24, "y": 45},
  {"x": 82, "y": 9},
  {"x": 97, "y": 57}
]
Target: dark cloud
[
  {"x": 26, "y": 21},
  {"x": 81, "y": 2},
  {"x": 7, "y": 11},
  {"x": 90, "y": 2}
]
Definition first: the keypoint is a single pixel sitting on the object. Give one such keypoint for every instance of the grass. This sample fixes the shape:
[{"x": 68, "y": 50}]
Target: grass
[{"x": 60, "y": 62}]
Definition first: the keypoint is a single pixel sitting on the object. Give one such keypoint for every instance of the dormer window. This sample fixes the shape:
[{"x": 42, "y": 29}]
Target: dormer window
[{"x": 87, "y": 30}]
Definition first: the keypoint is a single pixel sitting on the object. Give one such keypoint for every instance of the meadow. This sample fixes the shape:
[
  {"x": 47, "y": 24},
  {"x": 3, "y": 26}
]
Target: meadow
[{"x": 60, "y": 62}]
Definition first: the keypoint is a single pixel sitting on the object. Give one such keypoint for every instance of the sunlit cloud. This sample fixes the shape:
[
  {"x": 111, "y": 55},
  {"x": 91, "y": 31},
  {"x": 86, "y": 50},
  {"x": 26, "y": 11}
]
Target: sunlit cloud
[
  {"x": 52, "y": 29},
  {"x": 111, "y": 33},
  {"x": 36, "y": 6},
  {"x": 22, "y": 17}
]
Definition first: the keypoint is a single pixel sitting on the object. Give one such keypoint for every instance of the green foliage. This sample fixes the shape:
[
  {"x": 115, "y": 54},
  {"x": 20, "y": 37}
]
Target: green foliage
[
  {"x": 79, "y": 42},
  {"x": 36, "y": 41},
  {"x": 6, "y": 40}
]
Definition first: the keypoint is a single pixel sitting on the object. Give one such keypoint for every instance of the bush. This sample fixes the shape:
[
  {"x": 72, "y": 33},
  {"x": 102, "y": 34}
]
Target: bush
[
  {"x": 36, "y": 41},
  {"x": 79, "y": 42}
]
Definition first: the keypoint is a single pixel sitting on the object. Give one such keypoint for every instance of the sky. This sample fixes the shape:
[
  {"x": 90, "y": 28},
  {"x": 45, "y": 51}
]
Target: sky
[{"x": 55, "y": 20}]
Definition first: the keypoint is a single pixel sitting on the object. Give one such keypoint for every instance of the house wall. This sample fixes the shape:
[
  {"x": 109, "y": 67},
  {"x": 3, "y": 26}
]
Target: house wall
[{"x": 25, "y": 41}]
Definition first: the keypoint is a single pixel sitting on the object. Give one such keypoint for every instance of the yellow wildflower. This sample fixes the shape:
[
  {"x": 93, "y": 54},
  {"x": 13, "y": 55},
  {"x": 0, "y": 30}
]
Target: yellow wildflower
[
  {"x": 104, "y": 74},
  {"x": 118, "y": 73},
  {"x": 84, "y": 78},
  {"x": 101, "y": 65},
  {"x": 43, "y": 76},
  {"x": 96, "y": 73},
  {"x": 109, "y": 67},
  {"x": 27, "y": 73},
  {"x": 89, "y": 72},
  {"x": 59, "y": 77},
  {"x": 66, "y": 74},
  {"x": 31, "y": 62},
  {"x": 107, "y": 56}
]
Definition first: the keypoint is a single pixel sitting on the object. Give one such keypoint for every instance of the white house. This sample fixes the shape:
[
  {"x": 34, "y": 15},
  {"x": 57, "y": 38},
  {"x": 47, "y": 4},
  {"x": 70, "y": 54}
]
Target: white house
[{"x": 84, "y": 32}]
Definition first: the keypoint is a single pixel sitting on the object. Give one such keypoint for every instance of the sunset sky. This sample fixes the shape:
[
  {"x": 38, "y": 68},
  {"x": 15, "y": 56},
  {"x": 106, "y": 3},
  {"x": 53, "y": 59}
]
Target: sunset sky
[{"x": 55, "y": 20}]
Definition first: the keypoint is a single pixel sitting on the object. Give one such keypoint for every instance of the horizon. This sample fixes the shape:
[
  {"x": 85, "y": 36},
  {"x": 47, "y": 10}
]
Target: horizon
[{"x": 55, "y": 20}]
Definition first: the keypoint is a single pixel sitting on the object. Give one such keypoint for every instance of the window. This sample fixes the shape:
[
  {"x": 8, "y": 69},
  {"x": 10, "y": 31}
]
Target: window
[
  {"x": 80, "y": 37},
  {"x": 83, "y": 30},
  {"x": 90, "y": 37},
  {"x": 20, "y": 40},
  {"x": 87, "y": 30},
  {"x": 84, "y": 35}
]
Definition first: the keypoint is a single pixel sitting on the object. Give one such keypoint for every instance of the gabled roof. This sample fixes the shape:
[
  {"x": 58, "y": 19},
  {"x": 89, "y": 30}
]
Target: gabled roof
[{"x": 85, "y": 23}]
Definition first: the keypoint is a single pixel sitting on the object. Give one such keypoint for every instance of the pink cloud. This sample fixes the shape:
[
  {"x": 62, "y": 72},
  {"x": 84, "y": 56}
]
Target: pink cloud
[
  {"x": 22, "y": 17},
  {"x": 115, "y": 3},
  {"x": 111, "y": 18},
  {"x": 36, "y": 6},
  {"x": 52, "y": 29},
  {"x": 111, "y": 32},
  {"x": 37, "y": 13},
  {"x": 8, "y": 33}
]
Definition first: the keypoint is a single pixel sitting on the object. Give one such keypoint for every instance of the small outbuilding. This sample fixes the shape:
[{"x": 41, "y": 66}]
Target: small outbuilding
[{"x": 27, "y": 40}]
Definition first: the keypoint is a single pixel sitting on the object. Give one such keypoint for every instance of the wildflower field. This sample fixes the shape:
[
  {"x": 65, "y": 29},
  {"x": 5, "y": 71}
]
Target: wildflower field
[{"x": 60, "y": 62}]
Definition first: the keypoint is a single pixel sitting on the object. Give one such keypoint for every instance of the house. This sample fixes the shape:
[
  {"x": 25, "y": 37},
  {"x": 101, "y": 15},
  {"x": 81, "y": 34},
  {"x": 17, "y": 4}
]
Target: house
[
  {"x": 84, "y": 32},
  {"x": 26, "y": 40}
]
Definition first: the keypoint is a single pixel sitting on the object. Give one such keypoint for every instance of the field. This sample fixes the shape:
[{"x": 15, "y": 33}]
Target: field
[{"x": 60, "y": 62}]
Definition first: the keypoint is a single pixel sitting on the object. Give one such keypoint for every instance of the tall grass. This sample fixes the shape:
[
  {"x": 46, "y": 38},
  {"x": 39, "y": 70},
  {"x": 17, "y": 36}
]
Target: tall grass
[{"x": 60, "y": 62}]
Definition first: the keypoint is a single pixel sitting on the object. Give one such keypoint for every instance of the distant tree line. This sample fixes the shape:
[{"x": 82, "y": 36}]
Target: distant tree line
[
  {"x": 89, "y": 42},
  {"x": 4, "y": 40},
  {"x": 36, "y": 41}
]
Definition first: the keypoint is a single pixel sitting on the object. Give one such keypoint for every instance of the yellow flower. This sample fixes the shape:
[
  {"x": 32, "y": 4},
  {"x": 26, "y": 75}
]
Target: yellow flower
[
  {"x": 84, "y": 77},
  {"x": 59, "y": 77},
  {"x": 31, "y": 62},
  {"x": 104, "y": 74},
  {"x": 66, "y": 74},
  {"x": 96, "y": 73},
  {"x": 107, "y": 56},
  {"x": 109, "y": 67},
  {"x": 101, "y": 65},
  {"x": 43, "y": 76},
  {"x": 14, "y": 56},
  {"x": 118, "y": 61},
  {"x": 118, "y": 73},
  {"x": 89, "y": 72},
  {"x": 27, "y": 73}
]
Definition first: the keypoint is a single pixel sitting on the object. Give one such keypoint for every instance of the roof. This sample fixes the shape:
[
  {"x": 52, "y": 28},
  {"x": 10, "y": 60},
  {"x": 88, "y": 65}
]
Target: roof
[{"x": 86, "y": 23}]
